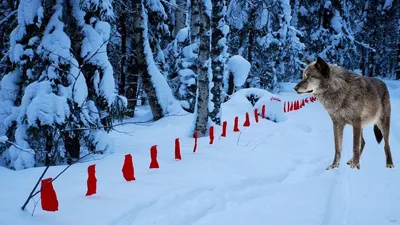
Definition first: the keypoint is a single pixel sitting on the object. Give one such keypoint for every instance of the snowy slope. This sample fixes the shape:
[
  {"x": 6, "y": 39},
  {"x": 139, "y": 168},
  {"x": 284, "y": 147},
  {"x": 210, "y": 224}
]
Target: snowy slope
[{"x": 273, "y": 174}]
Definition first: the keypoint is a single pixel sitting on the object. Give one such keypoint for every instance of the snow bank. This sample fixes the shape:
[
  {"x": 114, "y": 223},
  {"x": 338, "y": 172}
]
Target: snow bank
[
  {"x": 394, "y": 88},
  {"x": 237, "y": 105},
  {"x": 274, "y": 106},
  {"x": 240, "y": 69}
]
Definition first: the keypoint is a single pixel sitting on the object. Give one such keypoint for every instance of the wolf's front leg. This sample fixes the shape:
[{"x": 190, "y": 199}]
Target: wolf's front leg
[
  {"x": 361, "y": 148},
  {"x": 338, "y": 127},
  {"x": 355, "y": 163}
]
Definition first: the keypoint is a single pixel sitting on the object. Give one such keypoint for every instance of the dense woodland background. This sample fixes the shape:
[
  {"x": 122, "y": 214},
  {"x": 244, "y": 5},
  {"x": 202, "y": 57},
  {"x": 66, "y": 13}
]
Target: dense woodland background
[{"x": 70, "y": 69}]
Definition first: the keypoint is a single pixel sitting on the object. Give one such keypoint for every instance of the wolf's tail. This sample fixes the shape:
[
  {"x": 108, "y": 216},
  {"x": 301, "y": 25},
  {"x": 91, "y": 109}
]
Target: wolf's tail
[{"x": 378, "y": 134}]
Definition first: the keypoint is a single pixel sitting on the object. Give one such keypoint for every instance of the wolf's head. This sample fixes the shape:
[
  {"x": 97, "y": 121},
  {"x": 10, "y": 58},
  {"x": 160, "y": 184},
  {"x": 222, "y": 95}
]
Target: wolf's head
[{"x": 315, "y": 77}]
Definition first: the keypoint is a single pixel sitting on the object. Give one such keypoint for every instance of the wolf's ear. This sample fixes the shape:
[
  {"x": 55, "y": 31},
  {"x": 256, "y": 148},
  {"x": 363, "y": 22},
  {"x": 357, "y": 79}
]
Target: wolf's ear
[
  {"x": 322, "y": 66},
  {"x": 308, "y": 61}
]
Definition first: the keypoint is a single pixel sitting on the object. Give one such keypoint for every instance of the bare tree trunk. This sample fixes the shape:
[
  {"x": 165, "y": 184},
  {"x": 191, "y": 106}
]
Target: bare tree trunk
[
  {"x": 72, "y": 145},
  {"x": 251, "y": 36},
  {"x": 218, "y": 64},
  {"x": 398, "y": 59},
  {"x": 180, "y": 16},
  {"x": 362, "y": 62},
  {"x": 194, "y": 20},
  {"x": 140, "y": 61},
  {"x": 122, "y": 24},
  {"x": 371, "y": 65},
  {"x": 132, "y": 77},
  {"x": 398, "y": 51},
  {"x": 131, "y": 69},
  {"x": 72, "y": 139},
  {"x": 203, "y": 65},
  {"x": 231, "y": 87},
  {"x": 49, "y": 147}
]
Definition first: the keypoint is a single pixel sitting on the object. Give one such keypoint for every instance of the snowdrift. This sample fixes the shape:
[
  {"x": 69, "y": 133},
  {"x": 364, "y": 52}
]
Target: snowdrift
[{"x": 248, "y": 99}]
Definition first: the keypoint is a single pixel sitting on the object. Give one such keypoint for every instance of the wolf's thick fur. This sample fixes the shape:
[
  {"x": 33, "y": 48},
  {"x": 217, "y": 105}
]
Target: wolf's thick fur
[{"x": 349, "y": 99}]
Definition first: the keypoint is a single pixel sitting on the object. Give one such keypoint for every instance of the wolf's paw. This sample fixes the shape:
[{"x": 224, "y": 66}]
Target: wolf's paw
[
  {"x": 354, "y": 165},
  {"x": 389, "y": 165},
  {"x": 350, "y": 161},
  {"x": 333, "y": 166}
]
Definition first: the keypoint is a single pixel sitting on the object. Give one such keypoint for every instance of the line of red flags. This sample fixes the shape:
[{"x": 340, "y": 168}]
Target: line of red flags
[{"x": 49, "y": 199}]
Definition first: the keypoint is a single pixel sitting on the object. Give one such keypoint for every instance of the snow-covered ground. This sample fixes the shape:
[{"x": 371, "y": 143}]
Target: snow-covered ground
[{"x": 273, "y": 174}]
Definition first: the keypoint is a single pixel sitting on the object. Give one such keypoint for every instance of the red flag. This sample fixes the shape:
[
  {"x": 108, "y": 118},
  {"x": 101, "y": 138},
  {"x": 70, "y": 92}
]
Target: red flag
[
  {"x": 256, "y": 115},
  {"x": 211, "y": 133},
  {"x": 196, "y": 135},
  {"x": 127, "y": 169},
  {"x": 91, "y": 181},
  {"x": 247, "y": 121},
  {"x": 48, "y": 196},
  {"x": 236, "y": 125},
  {"x": 153, "y": 155},
  {"x": 263, "y": 111},
  {"x": 177, "y": 150},
  {"x": 224, "y": 125}
]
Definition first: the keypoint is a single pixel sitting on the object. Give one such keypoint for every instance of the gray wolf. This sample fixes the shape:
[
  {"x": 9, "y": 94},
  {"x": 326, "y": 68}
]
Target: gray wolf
[{"x": 349, "y": 99}]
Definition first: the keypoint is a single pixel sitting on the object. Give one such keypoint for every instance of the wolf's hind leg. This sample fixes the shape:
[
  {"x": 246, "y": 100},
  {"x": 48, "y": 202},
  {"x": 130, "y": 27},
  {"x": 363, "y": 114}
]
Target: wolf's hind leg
[{"x": 384, "y": 127}]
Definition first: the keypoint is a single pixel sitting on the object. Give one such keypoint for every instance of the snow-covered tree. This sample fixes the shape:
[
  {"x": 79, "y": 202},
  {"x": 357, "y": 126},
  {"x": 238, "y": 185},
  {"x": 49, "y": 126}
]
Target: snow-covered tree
[
  {"x": 8, "y": 20},
  {"x": 37, "y": 96},
  {"x": 182, "y": 54},
  {"x": 180, "y": 16},
  {"x": 158, "y": 92},
  {"x": 58, "y": 93},
  {"x": 159, "y": 32}
]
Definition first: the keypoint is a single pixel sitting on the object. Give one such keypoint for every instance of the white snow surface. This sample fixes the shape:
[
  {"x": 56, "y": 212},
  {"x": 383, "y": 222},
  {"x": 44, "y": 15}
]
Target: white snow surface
[
  {"x": 3, "y": 139},
  {"x": 270, "y": 173},
  {"x": 240, "y": 68}
]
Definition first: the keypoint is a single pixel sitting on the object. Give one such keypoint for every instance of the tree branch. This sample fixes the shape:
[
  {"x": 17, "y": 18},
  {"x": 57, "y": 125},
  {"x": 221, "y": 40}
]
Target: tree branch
[{"x": 5, "y": 19}]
